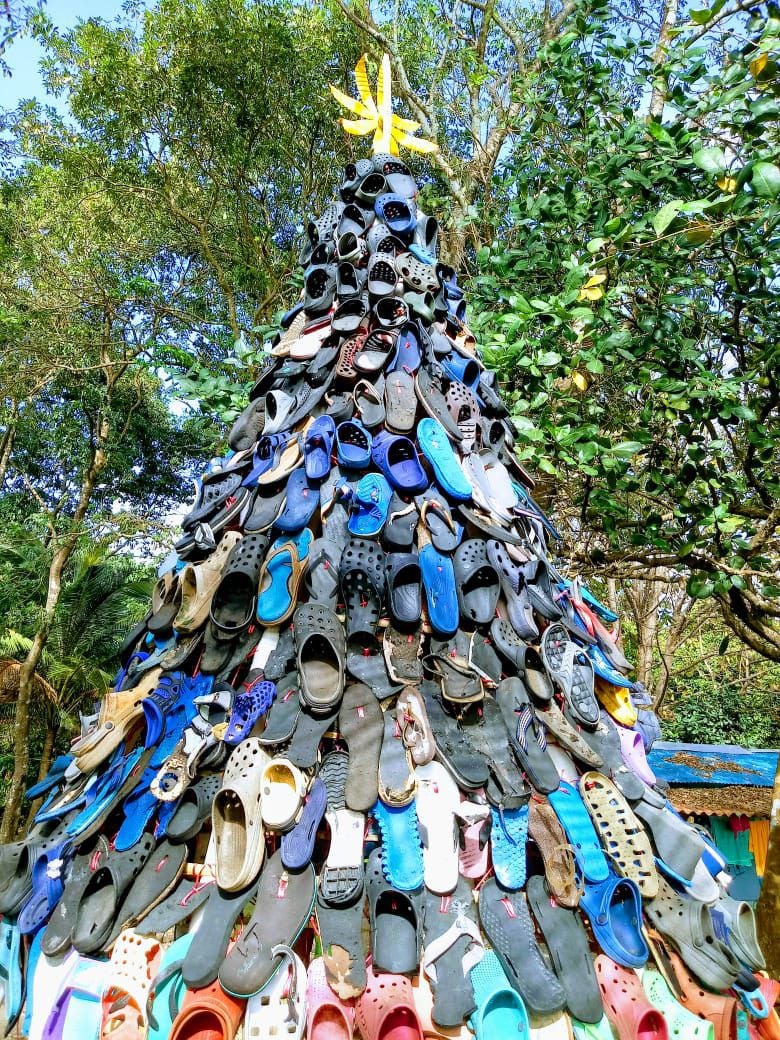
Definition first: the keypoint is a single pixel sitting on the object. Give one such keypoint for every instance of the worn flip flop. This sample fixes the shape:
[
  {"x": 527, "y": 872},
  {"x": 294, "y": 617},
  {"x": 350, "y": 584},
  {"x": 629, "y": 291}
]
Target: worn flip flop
[
  {"x": 435, "y": 517},
  {"x": 438, "y": 581},
  {"x": 526, "y": 736},
  {"x": 559, "y": 866},
  {"x": 567, "y": 942},
  {"x": 395, "y": 779},
  {"x": 284, "y": 903},
  {"x": 361, "y": 725},
  {"x": 395, "y": 919},
  {"x": 100, "y": 899},
  {"x": 215, "y": 924},
  {"x": 310, "y": 728},
  {"x": 453, "y": 947},
  {"x": 178, "y": 906},
  {"x": 400, "y": 400},
  {"x": 626, "y": 1005},
  {"x": 298, "y": 843},
  {"x": 155, "y": 881},
  {"x": 468, "y": 765},
  {"x": 508, "y": 836},
  {"x": 283, "y": 716},
  {"x": 507, "y": 923},
  {"x": 435, "y": 445}
]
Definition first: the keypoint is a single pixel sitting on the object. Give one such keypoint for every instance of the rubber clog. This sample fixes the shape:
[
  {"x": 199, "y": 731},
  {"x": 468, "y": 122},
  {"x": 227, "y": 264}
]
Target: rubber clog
[
  {"x": 500, "y": 1009},
  {"x": 318, "y": 447},
  {"x": 397, "y": 458}
]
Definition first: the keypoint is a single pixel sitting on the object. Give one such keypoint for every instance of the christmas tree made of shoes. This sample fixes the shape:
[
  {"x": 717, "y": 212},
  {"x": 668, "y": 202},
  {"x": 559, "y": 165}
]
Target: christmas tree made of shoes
[{"x": 371, "y": 762}]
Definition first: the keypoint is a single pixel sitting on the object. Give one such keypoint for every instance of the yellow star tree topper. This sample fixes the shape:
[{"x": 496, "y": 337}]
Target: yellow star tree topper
[{"x": 376, "y": 117}]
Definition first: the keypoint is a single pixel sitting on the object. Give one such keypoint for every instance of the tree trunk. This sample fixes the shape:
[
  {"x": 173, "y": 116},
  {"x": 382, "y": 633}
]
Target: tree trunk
[
  {"x": 21, "y": 732},
  {"x": 768, "y": 908},
  {"x": 47, "y": 757},
  {"x": 660, "y": 85}
]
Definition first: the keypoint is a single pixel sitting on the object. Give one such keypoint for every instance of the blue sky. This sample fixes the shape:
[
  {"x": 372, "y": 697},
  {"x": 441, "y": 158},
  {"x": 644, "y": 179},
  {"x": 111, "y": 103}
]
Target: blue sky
[{"x": 23, "y": 55}]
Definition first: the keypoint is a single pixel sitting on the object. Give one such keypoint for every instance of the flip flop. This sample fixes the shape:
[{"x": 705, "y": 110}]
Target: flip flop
[
  {"x": 344, "y": 943},
  {"x": 416, "y": 730},
  {"x": 569, "y": 738},
  {"x": 467, "y": 765},
  {"x": 500, "y": 1011},
  {"x": 678, "y": 845},
  {"x": 284, "y": 903},
  {"x": 507, "y": 923},
  {"x": 280, "y": 578},
  {"x": 236, "y": 817},
  {"x": 361, "y": 725},
  {"x": 434, "y": 444},
  {"x": 400, "y": 400},
  {"x": 301, "y": 500},
  {"x": 310, "y": 728},
  {"x": 341, "y": 879},
  {"x": 436, "y": 518},
  {"x": 571, "y": 669},
  {"x": 453, "y": 946},
  {"x": 526, "y": 736},
  {"x": 614, "y": 909},
  {"x": 624, "y": 838},
  {"x": 154, "y": 882},
  {"x": 395, "y": 920},
  {"x": 626, "y": 1005},
  {"x": 402, "y": 858},
  {"x": 100, "y": 898},
  {"x": 475, "y": 825},
  {"x": 395, "y": 779},
  {"x": 279, "y": 1009},
  {"x": 437, "y": 801},
  {"x": 369, "y": 402},
  {"x": 398, "y": 533},
  {"x": 178, "y": 906},
  {"x": 576, "y": 822},
  {"x": 567, "y": 942},
  {"x": 508, "y": 836},
  {"x": 215, "y": 924},
  {"x": 438, "y": 582},
  {"x": 167, "y": 990},
  {"x": 298, "y": 844},
  {"x": 545, "y": 831},
  {"x": 320, "y": 655}
]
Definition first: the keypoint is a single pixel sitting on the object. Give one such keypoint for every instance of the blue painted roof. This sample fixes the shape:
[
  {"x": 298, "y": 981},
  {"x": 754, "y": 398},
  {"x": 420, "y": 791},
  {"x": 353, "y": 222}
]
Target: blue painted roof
[{"x": 713, "y": 765}]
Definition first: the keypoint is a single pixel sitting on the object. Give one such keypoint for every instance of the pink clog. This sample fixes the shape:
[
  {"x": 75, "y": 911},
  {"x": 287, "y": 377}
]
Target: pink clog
[
  {"x": 626, "y": 1005},
  {"x": 328, "y": 1017},
  {"x": 386, "y": 1011}
]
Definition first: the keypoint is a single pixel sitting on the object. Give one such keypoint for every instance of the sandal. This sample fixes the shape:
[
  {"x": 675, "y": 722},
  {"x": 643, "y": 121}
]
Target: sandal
[
  {"x": 280, "y": 577},
  {"x": 453, "y": 947},
  {"x": 362, "y": 578},
  {"x": 320, "y": 655},
  {"x": 526, "y": 736},
  {"x": 233, "y": 604}
]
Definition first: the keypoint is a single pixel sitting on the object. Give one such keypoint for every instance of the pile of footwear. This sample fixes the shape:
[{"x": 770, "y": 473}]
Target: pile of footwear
[{"x": 371, "y": 763}]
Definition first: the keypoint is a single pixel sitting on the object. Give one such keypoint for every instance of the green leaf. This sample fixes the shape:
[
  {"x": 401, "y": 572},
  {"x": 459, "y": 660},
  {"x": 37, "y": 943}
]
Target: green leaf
[
  {"x": 702, "y": 16},
  {"x": 595, "y": 245},
  {"x": 766, "y": 180},
  {"x": 699, "y": 586},
  {"x": 627, "y": 447},
  {"x": 548, "y": 358},
  {"x": 712, "y": 160},
  {"x": 666, "y": 215}
]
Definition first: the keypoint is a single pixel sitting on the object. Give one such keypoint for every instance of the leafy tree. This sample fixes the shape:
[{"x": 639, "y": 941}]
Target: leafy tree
[{"x": 630, "y": 303}]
